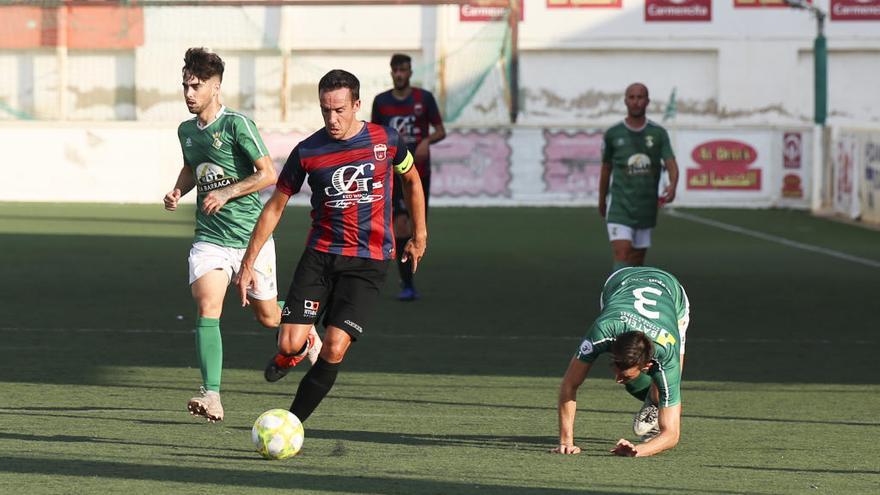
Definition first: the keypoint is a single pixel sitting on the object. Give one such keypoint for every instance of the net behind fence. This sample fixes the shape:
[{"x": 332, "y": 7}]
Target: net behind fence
[{"x": 122, "y": 62}]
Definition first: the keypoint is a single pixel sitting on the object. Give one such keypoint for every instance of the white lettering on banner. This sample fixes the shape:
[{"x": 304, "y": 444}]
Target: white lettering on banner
[
  {"x": 478, "y": 11},
  {"x": 675, "y": 10},
  {"x": 853, "y": 10}
]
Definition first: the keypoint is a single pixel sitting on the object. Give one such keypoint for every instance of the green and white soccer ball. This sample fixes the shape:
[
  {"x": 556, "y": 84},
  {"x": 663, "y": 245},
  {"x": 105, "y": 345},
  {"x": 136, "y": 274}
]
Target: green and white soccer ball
[{"x": 277, "y": 434}]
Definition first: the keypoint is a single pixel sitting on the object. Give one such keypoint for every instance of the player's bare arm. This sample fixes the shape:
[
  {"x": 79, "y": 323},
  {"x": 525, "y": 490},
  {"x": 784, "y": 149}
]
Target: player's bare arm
[
  {"x": 670, "y": 430},
  {"x": 574, "y": 377},
  {"x": 263, "y": 176},
  {"x": 269, "y": 218},
  {"x": 185, "y": 182},
  {"x": 604, "y": 182},
  {"x": 414, "y": 197},
  {"x": 421, "y": 152},
  {"x": 672, "y": 170}
]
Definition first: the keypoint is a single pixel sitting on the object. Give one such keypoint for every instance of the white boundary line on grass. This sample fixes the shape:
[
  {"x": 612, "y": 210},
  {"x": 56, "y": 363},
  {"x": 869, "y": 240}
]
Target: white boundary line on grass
[
  {"x": 416, "y": 336},
  {"x": 772, "y": 238}
]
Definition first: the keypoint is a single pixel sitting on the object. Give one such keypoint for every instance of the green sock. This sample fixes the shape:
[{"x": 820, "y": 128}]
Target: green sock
[
  {"x": 639, "y": 387},
  {"x": 618, "y": 265},
  {"x": 209, "y": 348}
]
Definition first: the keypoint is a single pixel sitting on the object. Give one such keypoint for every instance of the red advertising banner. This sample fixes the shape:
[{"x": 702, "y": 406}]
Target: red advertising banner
[
  {"x": 724, "y": 164},
  {"x": 569, "y": 4},
  {"x": 572, "y": 162},
  {"x": 855, "y": 10},
  {"x": 792, "y": 186},
  {"x": 487, "y": 11},
  {"x": 792, "y": 149},
  {"x": 475, "y": 164},
  {"x": 85, "y": 26},
  {"x": 678, "y": 10},
  {"x": 761, "y": 3}
]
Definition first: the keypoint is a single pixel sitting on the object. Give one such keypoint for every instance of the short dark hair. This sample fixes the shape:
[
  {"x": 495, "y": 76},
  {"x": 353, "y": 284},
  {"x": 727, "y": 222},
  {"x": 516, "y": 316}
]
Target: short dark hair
[
  {"x": 202, "y": 64},
  {"x": 338, "y": 78},
  {"x": 632, "y": 349},
  {"x": 400, "y": 59}
]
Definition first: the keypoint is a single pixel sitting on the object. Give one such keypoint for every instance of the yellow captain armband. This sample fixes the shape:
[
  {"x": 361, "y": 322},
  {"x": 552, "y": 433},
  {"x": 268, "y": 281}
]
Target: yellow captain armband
[{"x": 404, "y": 166}]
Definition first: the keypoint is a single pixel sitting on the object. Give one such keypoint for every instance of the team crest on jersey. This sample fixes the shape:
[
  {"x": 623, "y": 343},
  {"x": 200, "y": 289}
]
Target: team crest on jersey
[
  {"x": 217, "y": 144},
  {"x": 618, "y": 142},
  {"x": 418, "y": 108},
  {"x": 649, "y": 141},
  {"x": 380, "y": 151}
]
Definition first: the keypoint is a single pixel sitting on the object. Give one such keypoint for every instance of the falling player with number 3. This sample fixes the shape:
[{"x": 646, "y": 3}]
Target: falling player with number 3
[{"x": 643, "y": 322}]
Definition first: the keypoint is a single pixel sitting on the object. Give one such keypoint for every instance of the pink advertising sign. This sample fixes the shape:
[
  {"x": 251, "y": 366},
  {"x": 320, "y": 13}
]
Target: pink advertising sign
[
  {"x": 572, "y": 162},
  {"x": 472, "y": 163}
]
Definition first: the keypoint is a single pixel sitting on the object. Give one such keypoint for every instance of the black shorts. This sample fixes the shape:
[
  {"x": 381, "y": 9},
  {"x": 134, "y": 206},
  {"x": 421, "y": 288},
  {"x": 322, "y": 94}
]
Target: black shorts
[
  {"x": 398, "y": 205},
  {"x": 341, "y": 289}
]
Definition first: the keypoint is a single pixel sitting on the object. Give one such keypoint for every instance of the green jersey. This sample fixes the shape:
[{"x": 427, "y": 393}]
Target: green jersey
[
  {"x": 647, "y": 300},
  {"x": 219, "y": 155},
  {"x": 635, "y": 158}
]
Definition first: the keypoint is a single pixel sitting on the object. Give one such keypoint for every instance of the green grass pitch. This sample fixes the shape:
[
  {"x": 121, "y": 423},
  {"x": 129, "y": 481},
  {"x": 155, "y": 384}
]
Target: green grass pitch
[{"x": 456, "y": 393}]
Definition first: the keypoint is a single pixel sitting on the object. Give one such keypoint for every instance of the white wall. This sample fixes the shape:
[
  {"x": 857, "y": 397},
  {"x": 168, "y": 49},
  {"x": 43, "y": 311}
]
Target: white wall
[
  {"x": 746, "y": 66},
  {"x": 139, "y": 163}
]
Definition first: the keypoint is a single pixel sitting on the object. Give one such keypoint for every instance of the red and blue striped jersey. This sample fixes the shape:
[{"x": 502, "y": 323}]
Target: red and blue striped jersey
[
  {"x": 411, "y": 117},
  {"x": 351, "y": 182}
]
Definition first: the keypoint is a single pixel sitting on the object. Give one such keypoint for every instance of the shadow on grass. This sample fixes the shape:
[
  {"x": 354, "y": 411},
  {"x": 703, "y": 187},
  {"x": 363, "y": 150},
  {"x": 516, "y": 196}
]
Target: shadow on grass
[
  {"x": 796, "y": 470},
  {"x": 99, "y": 440},
  {"x": 127, "y": 221},
  {"x": 39, "y": 410},
  {"x": 291, "y": 479},
  {"x": 131, "y": 414},
  {"x": 501, "y": 299}
]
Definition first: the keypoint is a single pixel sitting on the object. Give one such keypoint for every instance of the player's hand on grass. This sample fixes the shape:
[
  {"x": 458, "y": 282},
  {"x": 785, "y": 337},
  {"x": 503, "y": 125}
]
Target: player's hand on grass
[
  {"x": 414, "y": 250},
  {"x": 624, "y": 448},
  {"x": 214, "y": 201},
  {"x": 171, "y": 199},
  {"x": 566, "y": 449}
]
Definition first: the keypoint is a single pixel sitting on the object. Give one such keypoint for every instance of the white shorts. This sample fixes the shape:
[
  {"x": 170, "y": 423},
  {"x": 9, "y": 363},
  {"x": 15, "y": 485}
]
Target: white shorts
[
  {"x": 640, "y": 238},
  {"x": 684, "y": 320},
  {"x": 205, "y": 256}
]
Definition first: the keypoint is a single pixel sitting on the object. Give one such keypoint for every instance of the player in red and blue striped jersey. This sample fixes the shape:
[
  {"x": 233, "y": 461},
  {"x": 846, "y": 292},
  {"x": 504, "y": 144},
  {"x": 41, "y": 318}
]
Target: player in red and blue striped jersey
[
  {"x": 413, "y": 113},
  {"x": 351, "y": 167}
]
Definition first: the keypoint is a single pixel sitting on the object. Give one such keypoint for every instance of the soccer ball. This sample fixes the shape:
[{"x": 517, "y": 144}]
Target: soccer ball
[{"x": 277, "y": 434}]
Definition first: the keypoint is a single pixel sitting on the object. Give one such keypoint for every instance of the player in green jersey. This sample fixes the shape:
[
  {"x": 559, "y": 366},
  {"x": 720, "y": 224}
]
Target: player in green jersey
[
  {"x": 633, "y": 152},
  {"x": 225, "y": 159},
  {"x": 642, "y": 324}
]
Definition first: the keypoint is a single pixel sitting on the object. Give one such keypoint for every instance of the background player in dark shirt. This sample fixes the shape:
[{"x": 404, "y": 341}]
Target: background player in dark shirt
[{"x": 412, "y": 112}]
